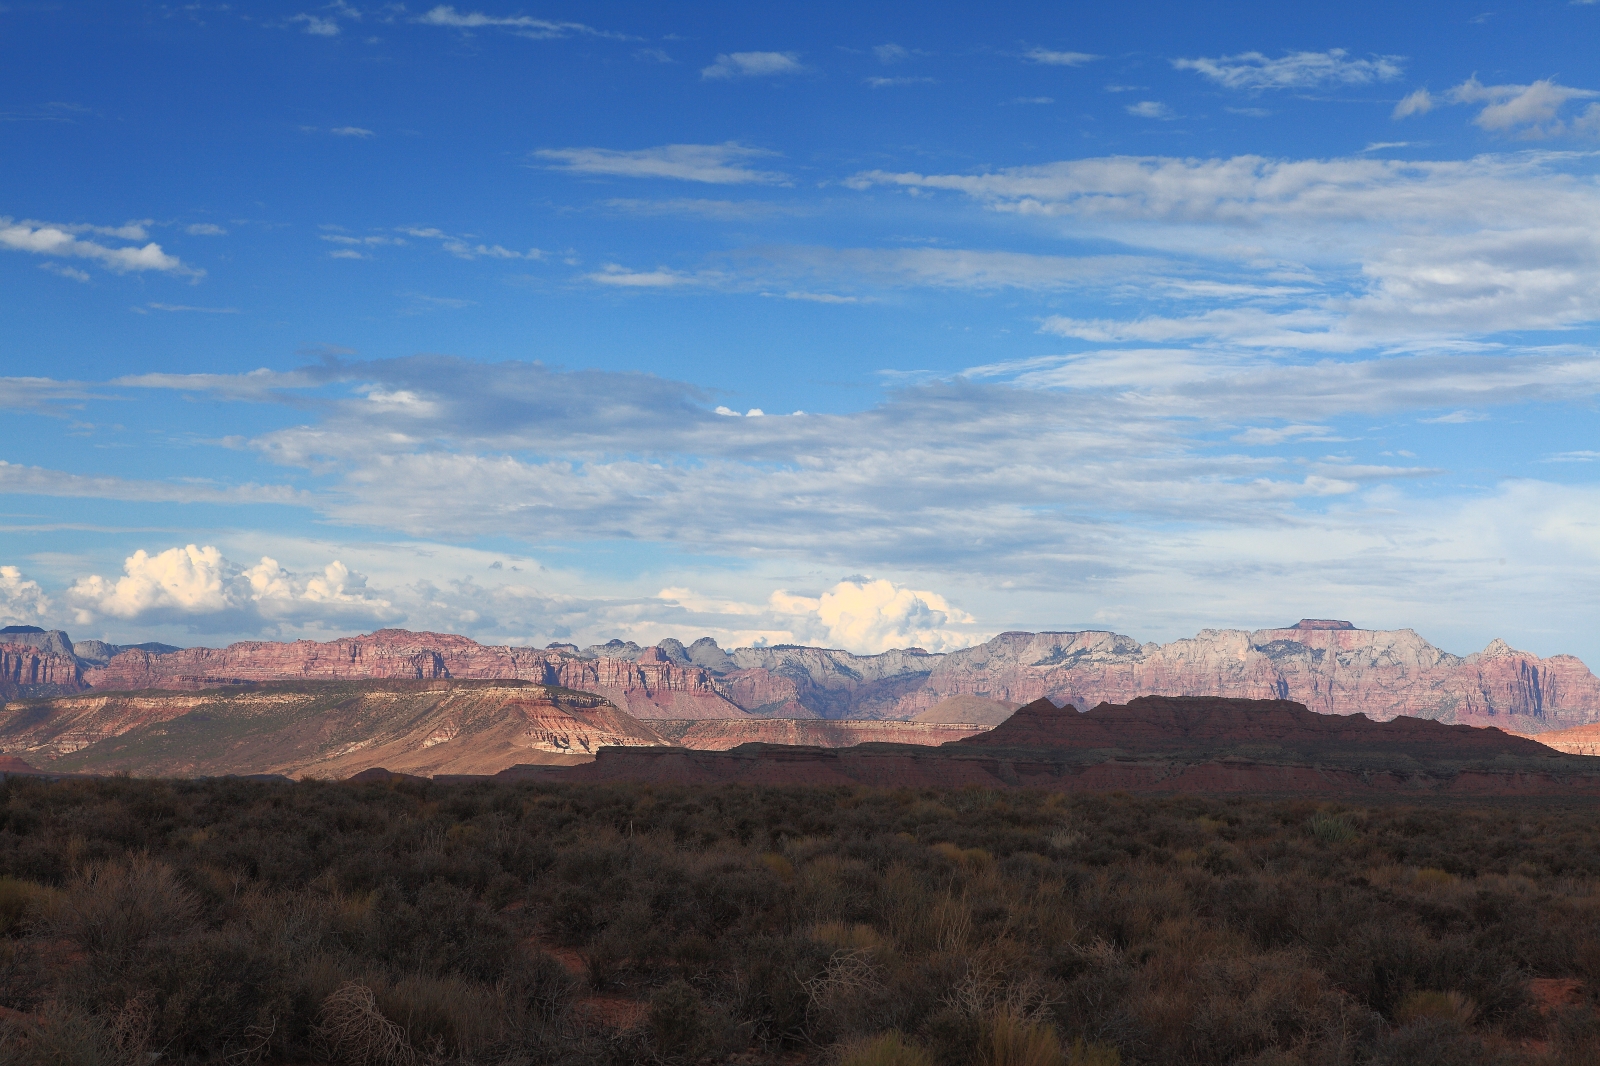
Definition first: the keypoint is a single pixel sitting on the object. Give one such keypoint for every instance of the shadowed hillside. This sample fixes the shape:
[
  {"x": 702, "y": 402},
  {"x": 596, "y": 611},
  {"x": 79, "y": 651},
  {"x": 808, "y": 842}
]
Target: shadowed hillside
[{"x": 319, "y": 729}]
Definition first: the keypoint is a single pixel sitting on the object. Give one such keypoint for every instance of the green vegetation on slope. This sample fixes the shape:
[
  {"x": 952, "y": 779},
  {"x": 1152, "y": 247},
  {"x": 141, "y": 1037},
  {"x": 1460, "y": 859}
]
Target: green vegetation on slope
[
  {"x": 321, "y": 728},
  {"x": 236, "y": 921}
]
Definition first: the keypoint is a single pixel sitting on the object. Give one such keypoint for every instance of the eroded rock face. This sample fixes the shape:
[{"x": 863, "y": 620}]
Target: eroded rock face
[
  {"x": 1327, "y": 664},
  {"x": 30, "y": 671},
  {"x": 646, "y": 690}
]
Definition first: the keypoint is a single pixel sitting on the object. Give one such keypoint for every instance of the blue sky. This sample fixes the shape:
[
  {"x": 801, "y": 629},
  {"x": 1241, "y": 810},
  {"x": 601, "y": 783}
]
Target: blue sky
[{"x": 865, "y": 325}]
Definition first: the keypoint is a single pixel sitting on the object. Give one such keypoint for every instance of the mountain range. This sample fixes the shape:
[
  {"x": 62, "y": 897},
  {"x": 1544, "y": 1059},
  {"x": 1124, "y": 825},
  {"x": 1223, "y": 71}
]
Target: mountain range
[{"x": 1330, "y": 666}]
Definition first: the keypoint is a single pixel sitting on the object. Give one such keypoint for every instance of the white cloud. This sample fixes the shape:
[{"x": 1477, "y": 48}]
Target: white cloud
[
  {"x": 371, "y": 240},
  {"x": 22, "y": 602},
  {"x": 716, "y": 164},
  {"x": 1296, "y": 70},
  {"x": 1150, "y": 109},
  {"x": 42, "y": 481},
  {"x": 884, "y": 83},
  {"x": 1455, "y": 418},
  {"x": 818, "y": 297},
  {"x": 868, "y": 617},
  {"x": 351, "y": 131},
  {"x": 194, "y": 582},
  {"x": 317, "y": 26},
  {"x": 62, "y": 270},
  {"x": 1526, "y": 110},
  {"x": 188, "y": 307},
  {"x": 1086, "y": 481},
  {"x": 44, "y": 238},
  {"x": 1419, "y": 102},
  {"x": 1058, "y": 59},
  {"x": 204, "y": 229},
  {"x": 1262, "y": 435},
  {"x": 521, "y": 25},
  {"x": 617, "y": 276},
  {"x": 463, "y": 247},
  {"x": 891, "y": 53},
  {"x": 1408, "y": 252},
  {"x": 753, "y": 65}
]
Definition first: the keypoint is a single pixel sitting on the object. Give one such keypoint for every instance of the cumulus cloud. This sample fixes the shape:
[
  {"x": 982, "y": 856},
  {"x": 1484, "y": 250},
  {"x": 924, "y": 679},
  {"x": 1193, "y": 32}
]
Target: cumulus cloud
[
  {"x": 715, "y": 164},
  {"x": 753, "y": 65},
  {"x": 1296, "y": 70},
  {"x": 867, "y": 616},
  {"x": 194, "y": 583},
  {"x": 44, "y": 238},
  {"x": 22, "y": 602}
]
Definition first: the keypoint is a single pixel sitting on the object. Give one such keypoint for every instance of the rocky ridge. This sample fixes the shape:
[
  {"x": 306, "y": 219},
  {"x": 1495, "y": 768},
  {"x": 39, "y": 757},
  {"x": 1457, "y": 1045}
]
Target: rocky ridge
[
  {"x": 1328, "y": 665},
  {"x": 1153, "y": 744}
]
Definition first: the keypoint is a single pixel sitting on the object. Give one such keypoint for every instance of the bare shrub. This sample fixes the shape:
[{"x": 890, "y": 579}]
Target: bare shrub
[
  {"x": 113, "y": 907},
  {"x": 844, "y": 998},
  {"x": 351, "y": 1029}
]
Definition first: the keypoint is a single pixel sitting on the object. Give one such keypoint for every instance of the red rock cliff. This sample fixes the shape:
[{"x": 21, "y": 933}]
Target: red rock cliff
[
  {"x": 26, "y": 671},
  {"x": 645, "y": 690}
]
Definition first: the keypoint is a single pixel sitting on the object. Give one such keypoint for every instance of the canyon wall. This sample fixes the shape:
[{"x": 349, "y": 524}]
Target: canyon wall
[
  {"x": 1331, "y": 667},
  {"x": 650, "y": 688},
  {"x": 27, "y": 671}
]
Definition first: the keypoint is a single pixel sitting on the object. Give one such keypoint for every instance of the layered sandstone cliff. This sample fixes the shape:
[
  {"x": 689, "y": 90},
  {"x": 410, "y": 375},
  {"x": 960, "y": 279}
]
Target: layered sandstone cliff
[
  {"x": 29, "y": 671},
  {"x": 652, "y": 688},
  {"x": 1330, "y": 666}
]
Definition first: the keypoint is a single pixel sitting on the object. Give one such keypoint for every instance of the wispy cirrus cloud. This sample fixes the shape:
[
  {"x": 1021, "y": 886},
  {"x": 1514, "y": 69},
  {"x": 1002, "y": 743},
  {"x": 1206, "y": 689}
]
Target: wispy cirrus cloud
[
  {"x": 1253, "y": 71},
  {"x": 522, "y": 25},
  {"x": 714, "y": 164}
]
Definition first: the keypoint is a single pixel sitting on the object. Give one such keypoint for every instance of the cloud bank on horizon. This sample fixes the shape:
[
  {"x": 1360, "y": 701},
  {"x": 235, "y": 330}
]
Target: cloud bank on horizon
[{"x": 1146, "y": 321}]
